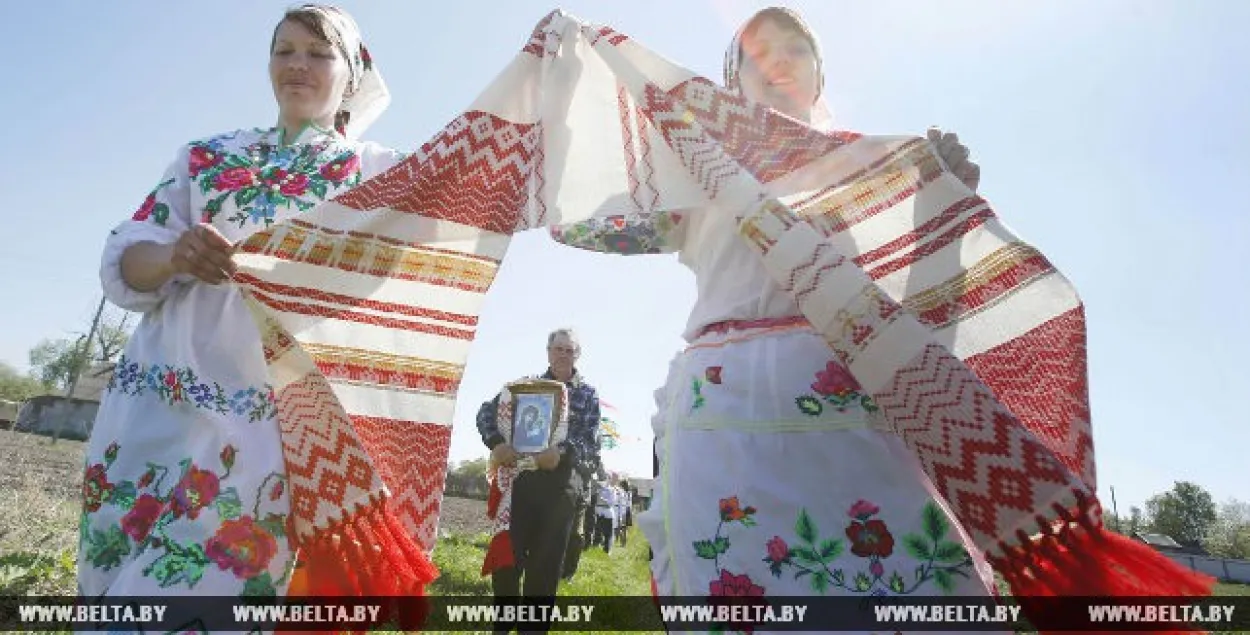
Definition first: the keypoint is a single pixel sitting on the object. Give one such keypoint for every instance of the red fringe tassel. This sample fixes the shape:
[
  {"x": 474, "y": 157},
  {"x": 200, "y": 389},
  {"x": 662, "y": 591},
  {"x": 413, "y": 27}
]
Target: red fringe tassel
[
  {"x": 498, "y": 554},
  {"x": 1084, "y": 559},
  {"x": 366, "y": 554}
]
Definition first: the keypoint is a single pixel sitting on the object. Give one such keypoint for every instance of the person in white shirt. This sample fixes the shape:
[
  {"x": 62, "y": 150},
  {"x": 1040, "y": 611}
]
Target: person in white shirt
[{"x": 605, "y": 511}]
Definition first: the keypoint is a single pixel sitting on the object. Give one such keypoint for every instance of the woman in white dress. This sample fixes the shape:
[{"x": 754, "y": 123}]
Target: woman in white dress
[
  {"x": 776, "y": 474},
  {"x": 185, "y": 490}
]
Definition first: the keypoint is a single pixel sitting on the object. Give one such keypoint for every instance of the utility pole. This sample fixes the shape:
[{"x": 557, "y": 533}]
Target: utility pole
[{"x": 84, "y": 359}]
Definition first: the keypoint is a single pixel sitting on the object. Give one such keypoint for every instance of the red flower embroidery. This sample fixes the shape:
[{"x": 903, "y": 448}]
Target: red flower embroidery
[
  {"x": 730, "y": 585},
  {"x": 778, "y": 550},
  {"x": 194, "y": 492},
  {"x": 294, "y": 185},
  {"x": 730, "y": 509},
  {"x": 276, "y": 492},
  {"x": 835, "y": 380},
  {"x": 713, "y": 374},
  {"x": 870, "y": 538},
  {"x": 862, "y": 509},
  {"x": 137, "y": 523},
  {"x": 174, "y": 385},
  {"x": 202, "y": 159},
  {"x": 145, "y": 210},
  {"x": 146, "y": 479},
  {"x": 110, "y": 452},
  {"x": 231, "y": 179},
  {"x": 339, "y": 170},
  {"x": 96, "y": 487},
  {"x": 241, "y": 546}
]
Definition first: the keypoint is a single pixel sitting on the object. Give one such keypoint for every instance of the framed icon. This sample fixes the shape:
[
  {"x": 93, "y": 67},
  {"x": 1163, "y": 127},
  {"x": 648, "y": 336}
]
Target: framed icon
[{"x": 536, "y": 416}]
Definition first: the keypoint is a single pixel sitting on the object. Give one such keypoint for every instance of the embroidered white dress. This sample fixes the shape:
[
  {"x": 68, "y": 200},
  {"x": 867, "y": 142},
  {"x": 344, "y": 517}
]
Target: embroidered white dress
[
  {"x": 777, "y": 477},
  {"x": 185, "y": 490}
]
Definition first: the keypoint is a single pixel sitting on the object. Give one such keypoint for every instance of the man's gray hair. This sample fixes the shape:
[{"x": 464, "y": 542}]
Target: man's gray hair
[{"x": 569, "y": 334}]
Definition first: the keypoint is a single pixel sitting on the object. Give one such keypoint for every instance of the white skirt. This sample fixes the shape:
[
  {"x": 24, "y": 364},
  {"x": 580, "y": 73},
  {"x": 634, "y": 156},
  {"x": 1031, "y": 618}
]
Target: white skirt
[{"x": 778, "y": 478}]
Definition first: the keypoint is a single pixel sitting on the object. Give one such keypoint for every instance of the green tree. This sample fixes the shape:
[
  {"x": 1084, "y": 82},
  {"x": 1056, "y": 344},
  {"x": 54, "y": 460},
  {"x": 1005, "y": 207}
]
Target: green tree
[
  {"x": 472, "y": 468},
  {"x": 1186, "y": 513},
  {"x": 54, "y": 362},
  {"x": 15, "y": 386},
  {"x": 1229, "y": 535}
]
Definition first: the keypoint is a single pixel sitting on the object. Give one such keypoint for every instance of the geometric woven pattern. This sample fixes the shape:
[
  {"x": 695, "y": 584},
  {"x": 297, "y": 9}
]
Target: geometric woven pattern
[{"x": 971, "y": 342}]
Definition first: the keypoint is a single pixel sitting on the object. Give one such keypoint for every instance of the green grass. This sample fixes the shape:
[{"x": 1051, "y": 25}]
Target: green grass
[
  {"x": 38, "y": 542},
  {"x": 625, "y": 572}
]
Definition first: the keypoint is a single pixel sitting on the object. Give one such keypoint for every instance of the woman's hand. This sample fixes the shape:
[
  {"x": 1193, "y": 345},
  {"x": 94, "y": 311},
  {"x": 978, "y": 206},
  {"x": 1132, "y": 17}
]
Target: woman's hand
[
  {"x": 204, "y": 253},
  {"x": 955, "y": 155}
]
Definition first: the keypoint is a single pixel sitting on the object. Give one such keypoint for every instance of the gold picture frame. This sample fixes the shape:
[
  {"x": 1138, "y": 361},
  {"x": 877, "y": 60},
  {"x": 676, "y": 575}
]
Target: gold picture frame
[{"x": 534, "y": 417}]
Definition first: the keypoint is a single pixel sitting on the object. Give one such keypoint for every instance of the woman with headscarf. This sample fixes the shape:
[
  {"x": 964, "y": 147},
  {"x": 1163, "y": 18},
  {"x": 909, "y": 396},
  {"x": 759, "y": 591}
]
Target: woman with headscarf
[
  {"x": 186, "y": 487},
  {"x": 789, "y": 449}
]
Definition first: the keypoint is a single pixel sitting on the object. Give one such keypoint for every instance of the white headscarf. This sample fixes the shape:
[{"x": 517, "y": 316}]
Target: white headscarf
[
  {"x": 367, "y": 94},
  {"x": 822, "y": 118}
]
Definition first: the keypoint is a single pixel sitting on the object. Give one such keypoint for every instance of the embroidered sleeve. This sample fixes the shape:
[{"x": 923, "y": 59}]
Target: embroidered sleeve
[
  {"x": 654, "y": 233},
  {"x": 162, "y": 216},
  {"x": 581, "y": 445},
  {"x": 488, "y": 424}
]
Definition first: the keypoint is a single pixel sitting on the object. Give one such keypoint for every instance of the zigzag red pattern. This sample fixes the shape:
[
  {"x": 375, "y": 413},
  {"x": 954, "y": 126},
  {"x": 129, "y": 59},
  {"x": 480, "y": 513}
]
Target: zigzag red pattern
[
  {"x": 697, "y": 152},
  {"x": 644, "y": 143},
  {"x": 627, "y": 138},
  {"x": 1042, "y": 376},
  {"x": 761, "y": 141},
  {"x": 323, "y": 458},
  {"x": 475, "y": 172},
  {"x": 411, "y": 458},
  {"x": 950, "y": 419}
]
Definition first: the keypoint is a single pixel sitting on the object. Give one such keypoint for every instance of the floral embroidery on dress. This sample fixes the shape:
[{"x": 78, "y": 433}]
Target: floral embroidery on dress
[
  {"x": 625, "y": 235},
  {"x": 940, "y": 559},
  {"x": 727, "y": 584},
  {"x": 244, "y": 545},
  {"x": 181, "y": 386},
  {"x": 151, "y": 208},
  {"x": 837, "y": 387},
  {"x": 265, "y": 177},
  {"x": 696, "y": 386}
]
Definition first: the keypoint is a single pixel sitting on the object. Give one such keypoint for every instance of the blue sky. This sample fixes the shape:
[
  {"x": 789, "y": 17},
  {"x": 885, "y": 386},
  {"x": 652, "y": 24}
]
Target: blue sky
[{"x": 1111, "y": 134}]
